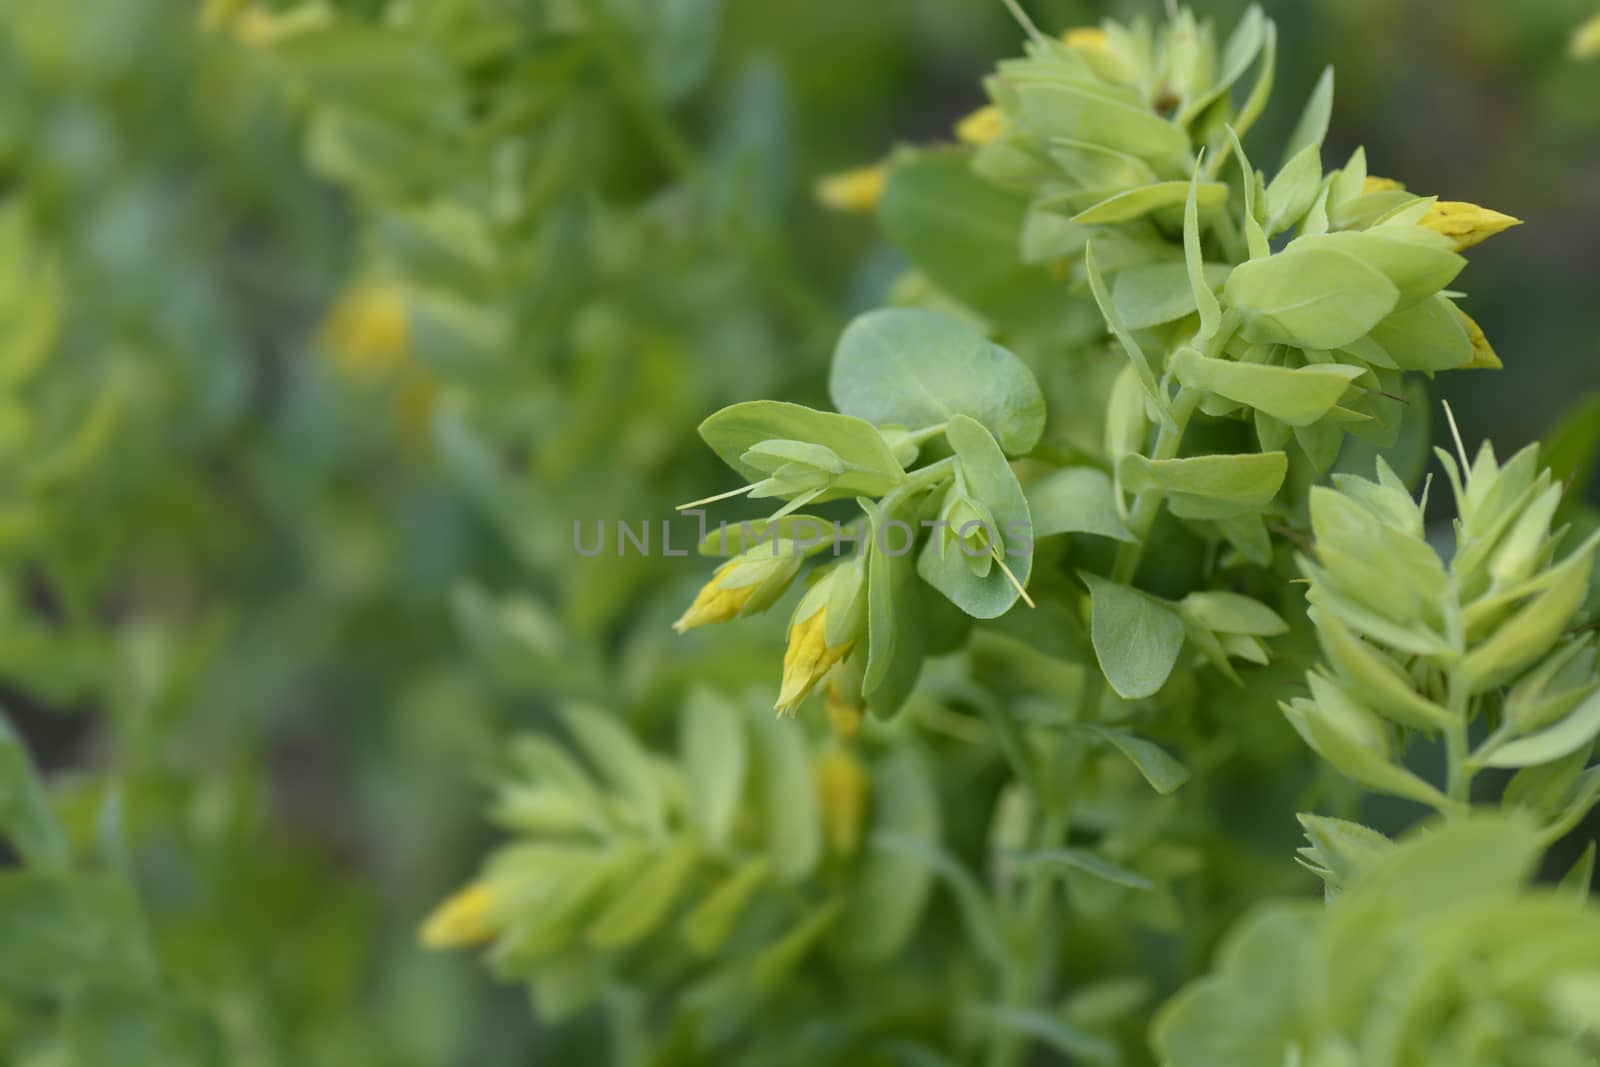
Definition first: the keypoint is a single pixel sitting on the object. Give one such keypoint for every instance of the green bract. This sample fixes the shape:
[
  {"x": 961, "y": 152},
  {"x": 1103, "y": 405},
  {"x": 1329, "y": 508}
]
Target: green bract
[{"x": 1438, "y": 956}]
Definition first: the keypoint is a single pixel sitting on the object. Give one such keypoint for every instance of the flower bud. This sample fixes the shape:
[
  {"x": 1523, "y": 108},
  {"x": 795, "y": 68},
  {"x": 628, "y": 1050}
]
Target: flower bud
[
  {"x": 461, "y": 920},
  {"x": 854, "y": 192},
  {"x": 825, "y": 627},
  {"x": 745, "y": 585},
  {"x": 1466, "y": 224}
]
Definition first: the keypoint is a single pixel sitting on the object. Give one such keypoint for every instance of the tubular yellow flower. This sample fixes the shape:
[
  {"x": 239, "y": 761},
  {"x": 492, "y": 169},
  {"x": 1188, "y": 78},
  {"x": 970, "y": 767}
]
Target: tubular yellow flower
[
  {"x": 1467, "y": 224},
  {"x": 823, "y": 630},
  {"x": 369, "y": 331},
  {"x": 981, "y": 127},
  {"x": 1483, "y": 354},
  {"x": 1375, "y": 184},
  {"x": 1586, "y": 42},
  {"x": 461, "y": 920},
  {"x": 746, "y": 584},
  {"x": 853, "y": 191},
  {"x": 1084, "y": 37},
  {"x": 842, "y": 795},
  {"x": 259, "y": 26}
]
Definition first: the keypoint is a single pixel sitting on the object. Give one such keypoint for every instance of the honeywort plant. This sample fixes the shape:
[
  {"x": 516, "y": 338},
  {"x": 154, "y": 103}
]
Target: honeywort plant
[{"x": 1075, "y": 468}]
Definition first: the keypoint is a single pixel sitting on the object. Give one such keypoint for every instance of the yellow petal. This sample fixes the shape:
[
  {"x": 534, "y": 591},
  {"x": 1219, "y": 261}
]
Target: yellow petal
[
  {"x": 369, "y": 331},
  {"x": 1586, "y": 42},
  {"x": 714, "y": 603},
  {"x": 1084, "y": 37},
  {"x": 461, "y": 920},
  {"x": 1467, "y": 224},
  {"x": 1483, "y": 354},
  {"x": 981, "y": 127},
  {"x": 853, "y": 191},
  {"x": 1375, "y": 184},
  {"x": 842, "y": 797},
  {"x": 808, "y": 658},
  {"x": 845, "y": 711}
]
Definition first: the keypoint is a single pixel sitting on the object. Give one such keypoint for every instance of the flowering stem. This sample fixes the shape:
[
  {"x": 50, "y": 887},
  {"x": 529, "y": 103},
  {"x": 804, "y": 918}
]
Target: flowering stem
[{"x": 1024, "y": 975}]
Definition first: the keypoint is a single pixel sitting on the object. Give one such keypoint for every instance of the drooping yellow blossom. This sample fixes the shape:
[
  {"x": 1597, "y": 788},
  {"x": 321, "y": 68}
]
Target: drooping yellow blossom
[
  {"x": 1084, "y": 37},
  {"x": 982, "y": 126},
  {"x": 845, "y": 710},
  {"x": 746, "y": 584},
  {"x": 1467, "y": 224},
  {"x": 259, "y": 26},
  {"x": 462, "y": 920},
  {"x": 368, "y": 331},
  {"x": 842, "y": 796},
  {"x": 853, "y": 191},
  {"x": 1483, "y": 354},
  {"x": 824, "y": 628},
  {"x": 1375, "y": 184},
  {"x": 1586, "y": 42}
]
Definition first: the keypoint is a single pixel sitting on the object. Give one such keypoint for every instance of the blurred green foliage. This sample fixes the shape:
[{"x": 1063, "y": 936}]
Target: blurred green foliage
[{"x": 314, "y": 344}]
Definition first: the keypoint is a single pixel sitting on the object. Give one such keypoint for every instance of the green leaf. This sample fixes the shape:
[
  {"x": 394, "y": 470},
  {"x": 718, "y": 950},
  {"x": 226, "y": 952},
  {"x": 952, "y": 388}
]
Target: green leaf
[
  {"x": 790, "y": 809},
  {"x": 1076, "y": 500},
  {"x": 1154, "y": 294},
  {"x": 26, "y": 819},
  {"x": 707, "y": 927},
  {"x": 964, "y": 234},
  {"x": 714, "y": 760},
  {"x": 1312, "y": 129},
  {"x": 1053, "y": 109},
  {"x": 871, "y": 469},
  {"x": 142, "y": 1028},
  {"x": 1309, "y": 298},
  {"x": 1429, "y": 336},
  {"x": 892, "y": 887},
  {"x": 63, "y": 932},
  {"x": 1418, "y": 261},
  {"x": 1136, "y": 637},
  {"x": 1208, "y": 487},
  {"x": 1130, "y": 346},
  {"x": 1577, "y": 731},
  {"x": 990, "y": 479},
  {"x": 1136, "y": 203},
  {"x": 1231, "y": 613},
  {"x": 1298, "y": 396},
  {"x": 1079, "y": 859},
  {"x": 896, "y": 621},
  {"x": 916, "y": 368},
  {"x": 977, "y": 911},
  {"x": 624, "y": 763},
  {"x": 1164, "y": 773},
  {"x": 1290, "y": 195},
  {"x": 1052, "y": 1031},
  {"x": 645, "y": 903}
]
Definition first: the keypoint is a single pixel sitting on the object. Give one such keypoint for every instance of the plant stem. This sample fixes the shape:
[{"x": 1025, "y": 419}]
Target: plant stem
[
  {"x": 1025, "y": 974},
  {"x": 1459, "y": 773},
  {"x": 1147, "y": 505}
]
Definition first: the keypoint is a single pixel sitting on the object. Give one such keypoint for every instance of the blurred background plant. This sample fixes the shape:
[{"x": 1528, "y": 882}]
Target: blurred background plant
[{"x": 323, "y": 322}]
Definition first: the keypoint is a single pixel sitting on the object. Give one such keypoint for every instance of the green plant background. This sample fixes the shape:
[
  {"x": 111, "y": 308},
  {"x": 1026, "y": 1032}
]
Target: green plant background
[{"x": 268, "y": 633}]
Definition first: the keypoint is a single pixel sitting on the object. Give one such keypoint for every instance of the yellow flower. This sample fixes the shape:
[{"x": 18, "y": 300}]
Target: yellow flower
[
  {"x": 842, "y": 796},
  {"x": 981, "y": 127},
  {"x": 369, "y": 331},
  {"x": 1467, "y": 224},
  {"x": 749, "y": 582},
  {"x": 1085, "y": 37},
  {"x": 462, "y": 920},
  {"x": 1586, "y": 42},
  {"x": 1483, "y": 354},
  {"x": 845, "y": 709},
  {"x": 823, "y": 630},
  {"x": 853, "y": 191},
  {"x": 260, "y": 27},
  {"x": 1375, "y": 184}
]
